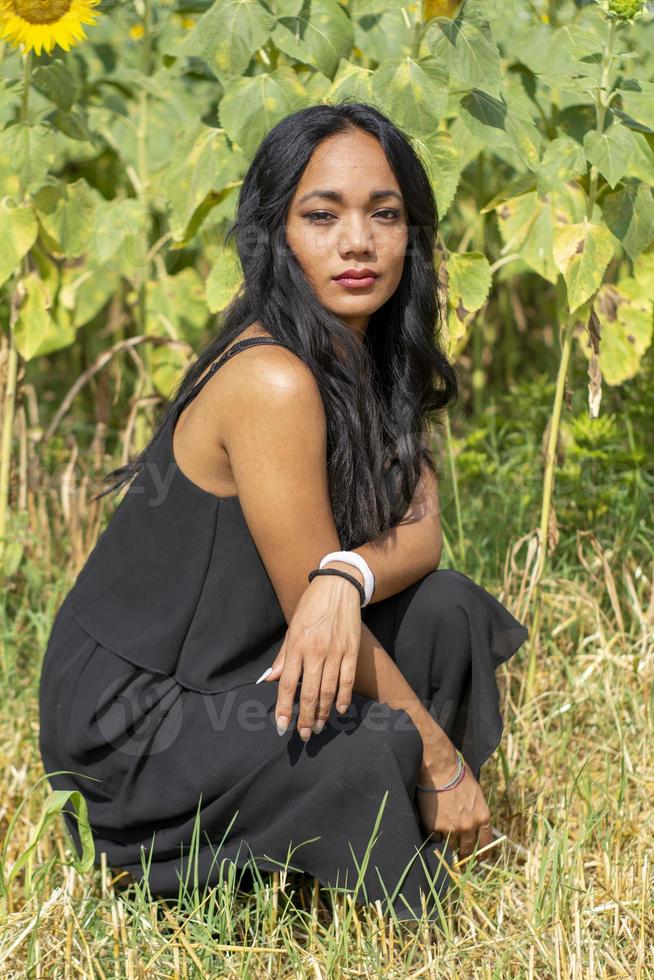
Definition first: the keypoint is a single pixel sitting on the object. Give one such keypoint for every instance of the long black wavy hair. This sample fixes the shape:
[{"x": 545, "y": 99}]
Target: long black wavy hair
[{"x": 379, "y": 396}]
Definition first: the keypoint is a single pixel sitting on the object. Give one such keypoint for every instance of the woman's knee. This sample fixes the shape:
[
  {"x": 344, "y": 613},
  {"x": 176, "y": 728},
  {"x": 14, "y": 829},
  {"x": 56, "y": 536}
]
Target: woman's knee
[{"x": 442, "y": 599}]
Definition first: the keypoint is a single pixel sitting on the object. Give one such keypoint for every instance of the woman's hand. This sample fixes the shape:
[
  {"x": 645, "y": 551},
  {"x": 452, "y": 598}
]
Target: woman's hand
[
  {"x": 460, "y": 812},
  {"x": 322, "y": 647}
]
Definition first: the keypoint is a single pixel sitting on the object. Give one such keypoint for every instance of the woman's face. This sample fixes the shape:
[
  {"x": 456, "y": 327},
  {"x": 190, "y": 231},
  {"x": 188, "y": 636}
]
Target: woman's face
[{"x": 335, "y": 225}]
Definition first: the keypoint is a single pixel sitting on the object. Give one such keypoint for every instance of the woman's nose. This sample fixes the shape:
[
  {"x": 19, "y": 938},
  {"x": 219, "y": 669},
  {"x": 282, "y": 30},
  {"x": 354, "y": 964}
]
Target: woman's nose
[{"x": 355, "y": 236}]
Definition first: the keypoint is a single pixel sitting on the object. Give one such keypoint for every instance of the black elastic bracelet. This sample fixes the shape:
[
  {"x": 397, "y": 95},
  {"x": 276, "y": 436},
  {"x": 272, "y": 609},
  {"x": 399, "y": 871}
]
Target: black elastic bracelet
[{"x": 337, "y": 571}]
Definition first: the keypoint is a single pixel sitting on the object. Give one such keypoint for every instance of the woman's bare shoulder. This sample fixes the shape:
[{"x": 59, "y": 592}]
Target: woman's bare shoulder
[
  {"x": 268, "y": 366},
  {"x": 257, "y": 378}
]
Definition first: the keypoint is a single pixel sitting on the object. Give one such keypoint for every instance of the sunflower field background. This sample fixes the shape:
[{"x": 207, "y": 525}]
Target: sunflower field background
[{"x": 125, "y": 131}]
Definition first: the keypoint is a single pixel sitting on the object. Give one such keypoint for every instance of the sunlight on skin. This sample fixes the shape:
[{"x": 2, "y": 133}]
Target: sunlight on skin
[{"x": 330, "y": 236}]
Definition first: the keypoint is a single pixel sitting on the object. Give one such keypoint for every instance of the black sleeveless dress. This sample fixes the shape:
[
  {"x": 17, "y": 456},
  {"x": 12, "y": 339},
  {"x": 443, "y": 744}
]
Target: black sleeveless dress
[{"x": 148, "y": 698}]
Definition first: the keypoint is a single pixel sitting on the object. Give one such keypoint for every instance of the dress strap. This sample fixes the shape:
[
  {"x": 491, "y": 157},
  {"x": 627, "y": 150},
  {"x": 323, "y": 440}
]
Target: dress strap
[{"x": 225, "y": 356}]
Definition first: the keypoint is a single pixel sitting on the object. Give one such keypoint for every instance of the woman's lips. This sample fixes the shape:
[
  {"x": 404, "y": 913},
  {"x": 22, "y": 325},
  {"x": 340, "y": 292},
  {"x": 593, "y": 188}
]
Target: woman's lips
[{"x": 356, "y": 283}]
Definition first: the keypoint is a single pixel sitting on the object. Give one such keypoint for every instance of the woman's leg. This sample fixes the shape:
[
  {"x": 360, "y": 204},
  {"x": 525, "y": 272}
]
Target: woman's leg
[{"x": 448, "y": 635}]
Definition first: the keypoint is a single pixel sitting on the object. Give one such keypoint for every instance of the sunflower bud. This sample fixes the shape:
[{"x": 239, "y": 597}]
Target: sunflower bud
[{"x": 625, "y": 9}]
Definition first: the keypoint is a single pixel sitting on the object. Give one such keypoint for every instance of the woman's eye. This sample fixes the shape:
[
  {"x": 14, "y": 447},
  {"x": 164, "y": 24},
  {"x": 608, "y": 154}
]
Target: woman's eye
[{"x": 315, "y": 216}]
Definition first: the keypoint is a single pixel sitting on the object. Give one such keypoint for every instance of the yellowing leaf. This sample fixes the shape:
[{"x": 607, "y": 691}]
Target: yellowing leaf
[
  {"x": 36, "y": 333},
  {"x": 18, "y": 230},
  {"x": 582, "y": 253},
  {"x": 469, "y": 280},
  {"x": 625, "y": 315}
]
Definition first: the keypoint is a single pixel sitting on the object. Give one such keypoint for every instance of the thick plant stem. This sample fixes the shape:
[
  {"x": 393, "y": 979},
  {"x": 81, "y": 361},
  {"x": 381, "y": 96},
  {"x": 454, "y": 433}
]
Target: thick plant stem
[
  {"x": 455, "y": 488},
  {"x": 548, "y": 486},
  {"x": 8, "y": 405},
  {"x": 601, "y": 108},
  {"x": 9, "y": 396},
  {"x": 141, "y": 428},
  {"x": 550, "y": 456},
  {"x": 417, "y": 32},
  {"x": 550, "y": 461},
  {"x": 534, "y": 628}
]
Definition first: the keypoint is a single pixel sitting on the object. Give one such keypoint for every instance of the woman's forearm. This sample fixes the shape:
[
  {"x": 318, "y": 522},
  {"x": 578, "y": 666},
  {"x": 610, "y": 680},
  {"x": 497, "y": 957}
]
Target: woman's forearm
[
  {"x": 402, "y": 555},
  {"x": 398, "y": 557},
  {"x": 379, "y": 677}
]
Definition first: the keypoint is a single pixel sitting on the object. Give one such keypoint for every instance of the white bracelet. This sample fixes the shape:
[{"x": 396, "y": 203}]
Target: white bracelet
[{"x": 352, "y": 558}]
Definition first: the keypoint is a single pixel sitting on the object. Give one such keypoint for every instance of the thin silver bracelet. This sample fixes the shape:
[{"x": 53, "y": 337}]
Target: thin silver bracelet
[{"x": 456, "y": 779}]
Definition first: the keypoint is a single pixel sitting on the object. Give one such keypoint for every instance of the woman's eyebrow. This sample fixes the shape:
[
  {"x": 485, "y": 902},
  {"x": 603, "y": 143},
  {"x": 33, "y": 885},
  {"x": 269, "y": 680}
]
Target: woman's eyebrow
[{"x": 337, "y": 196}]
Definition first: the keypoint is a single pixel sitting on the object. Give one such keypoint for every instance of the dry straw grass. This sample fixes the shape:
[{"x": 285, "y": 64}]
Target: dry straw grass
[{"x": 565, "y": 892}]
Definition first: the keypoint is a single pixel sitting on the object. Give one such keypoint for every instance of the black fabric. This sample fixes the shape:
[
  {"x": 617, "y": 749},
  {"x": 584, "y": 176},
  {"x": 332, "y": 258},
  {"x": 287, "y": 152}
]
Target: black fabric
[
  {"x": 164, "y": 724},
  {"x": 175, "y": 582}
]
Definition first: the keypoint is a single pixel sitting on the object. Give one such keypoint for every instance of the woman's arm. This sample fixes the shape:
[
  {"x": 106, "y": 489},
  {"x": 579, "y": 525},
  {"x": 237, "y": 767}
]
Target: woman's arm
[
  {"x": 379, "y": 677},
  {"x": 272, "y": 423},
  {"x": 276, "y": 439},
  {"x": 409, "y": 550}
]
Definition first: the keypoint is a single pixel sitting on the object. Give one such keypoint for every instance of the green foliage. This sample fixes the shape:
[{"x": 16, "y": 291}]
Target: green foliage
[
  {"x": 604, "y": 476},
  {"x": 120, "y": 170},
  {"x": 53, "y": 808}
]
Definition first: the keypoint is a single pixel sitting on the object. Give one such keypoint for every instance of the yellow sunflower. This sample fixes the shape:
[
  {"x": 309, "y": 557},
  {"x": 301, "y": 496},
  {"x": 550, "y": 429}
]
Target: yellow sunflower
[{"x": 43, "y": 23}]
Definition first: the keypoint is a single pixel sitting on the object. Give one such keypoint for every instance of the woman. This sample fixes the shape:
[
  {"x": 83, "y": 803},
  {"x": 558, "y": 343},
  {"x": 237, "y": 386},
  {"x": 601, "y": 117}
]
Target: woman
[{"x": 197, "y": 629}]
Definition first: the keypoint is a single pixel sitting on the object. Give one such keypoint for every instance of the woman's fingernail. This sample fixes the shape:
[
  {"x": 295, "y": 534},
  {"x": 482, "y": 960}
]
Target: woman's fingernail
[
  {"x": 342, "y": 708},
  {"x": 282, "y": 725},
  {"x": 264, "y": 675},
  {"x": 305, "y": 733},
  {"x": 318, "y": 727}
]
